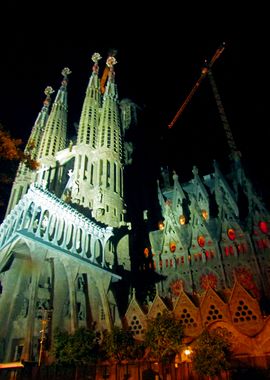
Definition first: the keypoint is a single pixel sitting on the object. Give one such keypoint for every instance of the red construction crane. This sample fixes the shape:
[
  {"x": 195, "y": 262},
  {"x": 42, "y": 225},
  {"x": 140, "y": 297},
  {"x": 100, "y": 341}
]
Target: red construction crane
[{"x": 205, "y": 71}]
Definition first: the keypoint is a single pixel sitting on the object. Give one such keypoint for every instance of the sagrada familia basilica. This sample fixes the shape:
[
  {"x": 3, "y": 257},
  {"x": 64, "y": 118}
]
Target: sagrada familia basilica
[{"x": 65, "y": 240}]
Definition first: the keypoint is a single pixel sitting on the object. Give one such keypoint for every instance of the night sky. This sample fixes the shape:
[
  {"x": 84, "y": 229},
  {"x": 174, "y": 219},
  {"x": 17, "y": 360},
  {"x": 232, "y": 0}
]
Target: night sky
[{"x": 157, "y": 66}]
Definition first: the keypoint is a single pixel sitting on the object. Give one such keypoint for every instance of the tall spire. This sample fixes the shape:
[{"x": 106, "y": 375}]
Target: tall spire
[
  {"x": 24, "y": 175},
  {"x": 110, "y": 208},
  {"x": 97, "y": 181},
  {"x": 85, "y": 166},
  {"x": 87, "y": 133},
  {"x": 39, "y": 126},
  {"x": 54, "y": 138}
]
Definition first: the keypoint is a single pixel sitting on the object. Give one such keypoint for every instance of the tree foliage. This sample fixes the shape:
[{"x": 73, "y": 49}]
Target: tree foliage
[
  {"x": 11, "y": 153},
  {"x": 79, "y": 348},
  {"x": 212, "y": 352},
  {"x": 10, "y": 149},
  {"x": 119, "y": 344},
  {"x": 163, "y": 336}
]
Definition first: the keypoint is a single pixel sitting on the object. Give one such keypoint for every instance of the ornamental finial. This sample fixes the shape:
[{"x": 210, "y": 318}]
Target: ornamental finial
[
  {"x": 111, "y": 61},
  {"x": 65, "y": 72},
  {"x": 48, "y": 91},
  {"x": 96, "y": 57}
]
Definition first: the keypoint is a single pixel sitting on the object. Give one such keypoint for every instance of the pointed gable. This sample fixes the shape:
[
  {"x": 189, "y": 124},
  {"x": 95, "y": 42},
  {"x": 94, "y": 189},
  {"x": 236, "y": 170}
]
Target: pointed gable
[
  {"x": 213, "y": 309},
  {"x": 188, "y": 313},
  {"x": 54, "y": 137},
  {"x": 135, "y": 319},
  {"x": 157, "y": 307},
  {"x": 245, "y": 311}
]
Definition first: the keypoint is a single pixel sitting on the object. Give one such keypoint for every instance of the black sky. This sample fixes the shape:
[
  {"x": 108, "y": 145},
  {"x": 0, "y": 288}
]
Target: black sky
[{"x": 159, "y": 56}]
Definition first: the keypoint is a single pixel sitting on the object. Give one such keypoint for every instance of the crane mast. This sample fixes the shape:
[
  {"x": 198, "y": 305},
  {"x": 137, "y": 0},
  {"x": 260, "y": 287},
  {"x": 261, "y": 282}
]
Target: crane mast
[
  {"x": 228, "y": 132},
  {"x": 204, "y": 72}
]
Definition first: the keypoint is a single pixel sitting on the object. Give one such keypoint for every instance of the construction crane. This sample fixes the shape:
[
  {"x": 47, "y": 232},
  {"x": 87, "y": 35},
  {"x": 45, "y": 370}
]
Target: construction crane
[
  {"x": 204, "y": 72},
  {"x": 112, "y": 53},
  {"x": 230, "y": 139}
]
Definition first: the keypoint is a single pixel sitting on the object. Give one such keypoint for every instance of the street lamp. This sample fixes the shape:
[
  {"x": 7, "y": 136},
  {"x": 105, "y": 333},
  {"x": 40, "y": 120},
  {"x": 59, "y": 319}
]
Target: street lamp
[
  {"x": 186, "y": 359},
  {"x": 187, "y": 352}
]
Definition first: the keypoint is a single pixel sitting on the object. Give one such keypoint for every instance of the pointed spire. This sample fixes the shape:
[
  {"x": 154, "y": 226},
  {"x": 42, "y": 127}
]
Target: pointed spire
[
  {"x": 54, "y": 138},
  {"x": 61, "y": 95},
  {"x": 95, "y": 58},
  {"x": 24, "y": 175},
  {"x": 38, "y": 128},
  {"x": 87, "y": 132},
  {"x": 94, "y": 82}
]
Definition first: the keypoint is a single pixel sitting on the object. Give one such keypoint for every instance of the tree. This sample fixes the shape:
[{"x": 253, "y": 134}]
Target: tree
[
  {"x": 10, "y": 150},
  {"x": 163, "y": 337},
  {"x": 80, "y": 348},
  {"x": 212, "y": 352},
  {"x": 119, "y": 344}
]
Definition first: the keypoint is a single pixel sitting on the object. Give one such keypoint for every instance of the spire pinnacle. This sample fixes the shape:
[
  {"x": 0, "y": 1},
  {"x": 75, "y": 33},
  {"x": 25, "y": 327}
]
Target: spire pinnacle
[
  {"x": 111, "y": 61},
  {"x": 95, "y": 58},
  {"x": 65, "y": 72},
  {"x": 48, "y": 91}
]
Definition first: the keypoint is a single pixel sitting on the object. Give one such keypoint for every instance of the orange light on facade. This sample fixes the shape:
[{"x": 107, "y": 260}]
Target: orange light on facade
[
  {"x": 231, "y": 234},
  {"x": 201, "y": 241},
  {"x": 182, "y": 219},
  {"x": 204, "y": 214},
  {"x": 161, "y": 226},
  {"x": 263, "y": 227},
  {"x": 146, "y": 252},
  {"x": 172, "y": 246}
]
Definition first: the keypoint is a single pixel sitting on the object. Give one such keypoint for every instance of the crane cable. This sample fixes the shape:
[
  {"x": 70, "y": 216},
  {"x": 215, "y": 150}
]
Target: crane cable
[{"x": 204, "y": 72}]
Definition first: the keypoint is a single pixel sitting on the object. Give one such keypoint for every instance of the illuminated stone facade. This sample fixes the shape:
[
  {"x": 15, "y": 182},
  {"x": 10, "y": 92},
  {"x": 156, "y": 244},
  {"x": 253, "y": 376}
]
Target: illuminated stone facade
[
  {"x": 65, "y": 239},
  {"x": 64, "y": 242},
  {"x": 212, "y": 260},
  {"x": 208, "y": 238}
]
